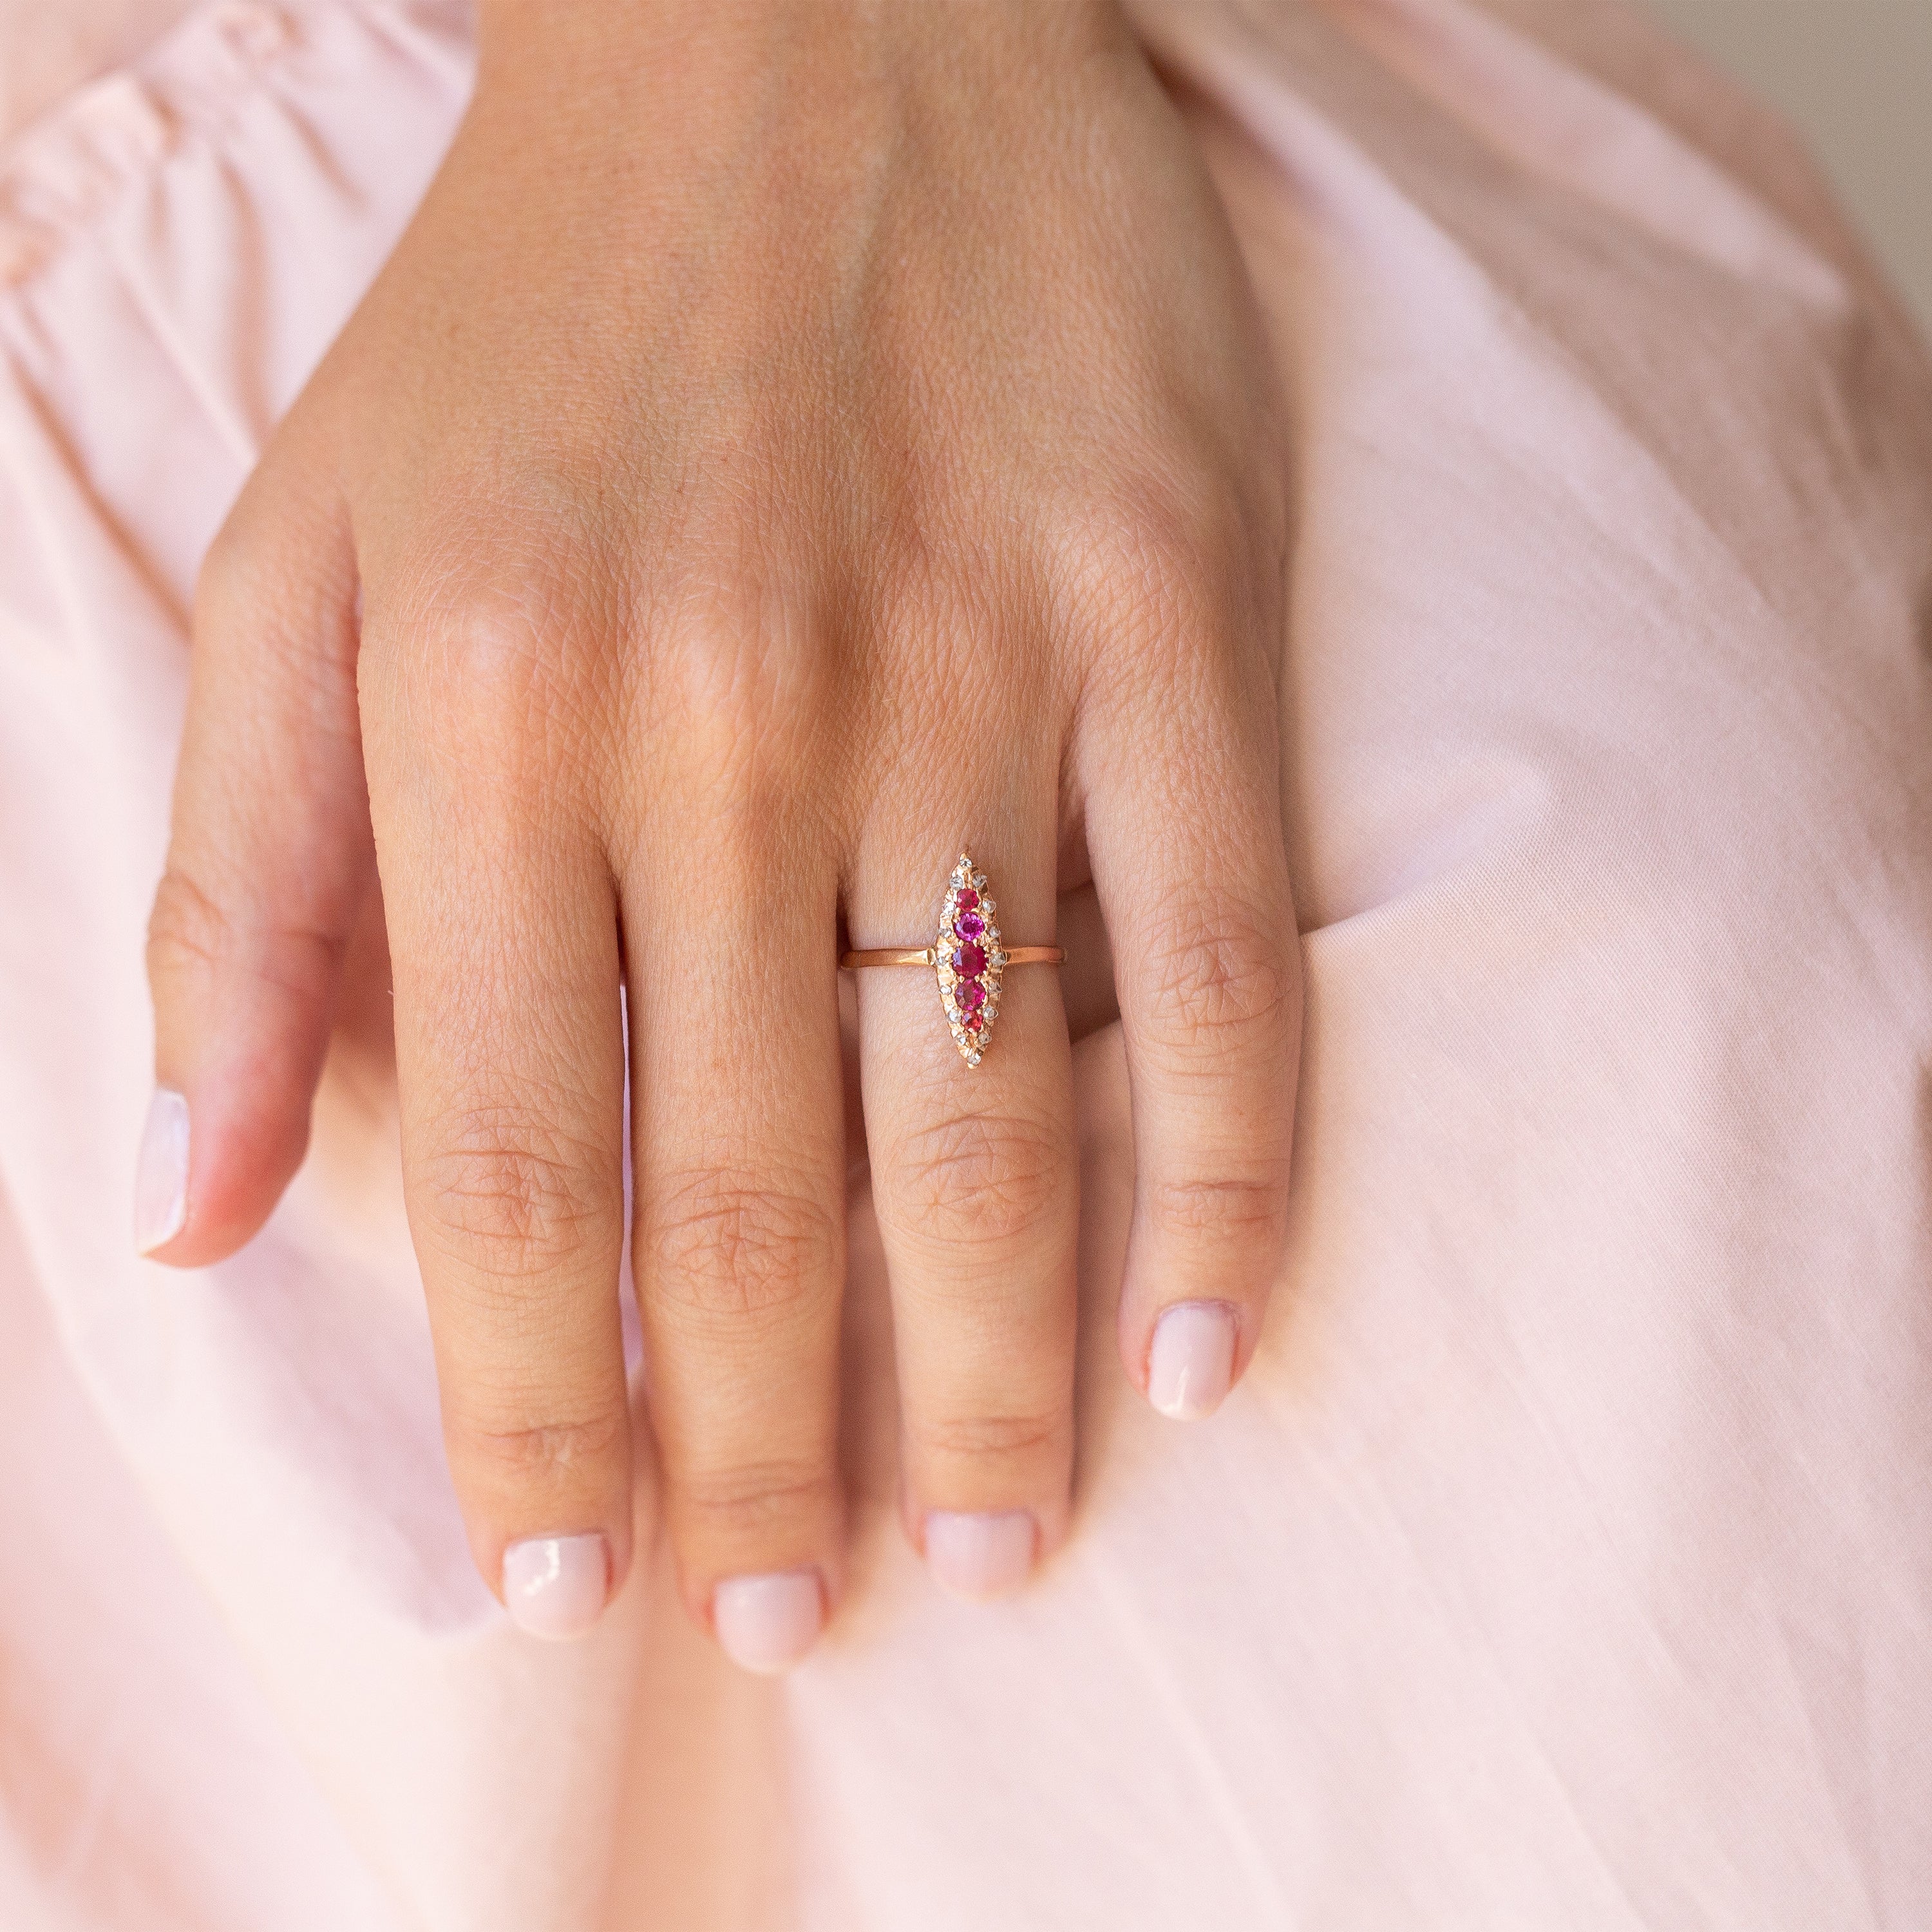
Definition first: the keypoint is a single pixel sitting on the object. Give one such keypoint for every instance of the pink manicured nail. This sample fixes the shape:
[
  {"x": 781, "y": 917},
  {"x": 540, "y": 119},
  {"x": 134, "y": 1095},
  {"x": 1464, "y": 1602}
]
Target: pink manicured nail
[
  {"x": 555, "y": 1586},
  {"x": 983, "y": 1555},
  {"x": 1193, "y": 1360},
  {"x": 766, "y": 1623},
  {"x": 160, "y": 1175}
]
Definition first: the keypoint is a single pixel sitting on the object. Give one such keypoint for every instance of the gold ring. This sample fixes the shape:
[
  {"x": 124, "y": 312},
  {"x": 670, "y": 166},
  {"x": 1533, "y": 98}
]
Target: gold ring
[{"x": 967, "y": 958}]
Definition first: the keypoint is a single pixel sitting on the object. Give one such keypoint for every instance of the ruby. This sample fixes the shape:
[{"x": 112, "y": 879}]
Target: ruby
[
  {"x": 969, "y": 925},
  {"x": 967, "y": 900},
  {"x": 970, "y": 1022},
  {"x": 969, "y": 962},
  {"x": 972, "y": 995}
]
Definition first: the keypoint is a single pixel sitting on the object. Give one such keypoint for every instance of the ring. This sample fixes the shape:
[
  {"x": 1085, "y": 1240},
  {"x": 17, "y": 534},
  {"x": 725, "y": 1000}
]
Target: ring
[{"x": 967, "y": 958}]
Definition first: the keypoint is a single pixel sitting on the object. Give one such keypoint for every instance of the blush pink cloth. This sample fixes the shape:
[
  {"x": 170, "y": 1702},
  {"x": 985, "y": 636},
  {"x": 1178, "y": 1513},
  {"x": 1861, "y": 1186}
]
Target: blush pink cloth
[
  {"x": 48, "y": 47},
  {"x": 1565, "y": 1561}
]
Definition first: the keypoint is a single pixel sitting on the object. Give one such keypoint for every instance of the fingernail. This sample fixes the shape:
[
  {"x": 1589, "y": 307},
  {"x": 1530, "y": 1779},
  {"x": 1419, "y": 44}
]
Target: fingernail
[
  {"x": 160, "y": 1175},
  {"x": 1193, "y": 1360},
  {"x": 766, "y": 1623},
  {"x": 556, "y": 1587},
  {"x": 980, "y": 1555}
]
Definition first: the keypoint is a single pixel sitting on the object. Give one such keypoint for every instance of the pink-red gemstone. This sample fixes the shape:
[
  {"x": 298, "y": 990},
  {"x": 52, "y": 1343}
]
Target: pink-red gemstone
[
  {"x": 969, "y": 960},
  {"x": 969, "y": 925},
  {"x": 972, "y": 996},
  {"x": 968, "y": 900},
  {"x": 970, "y": 1022}
]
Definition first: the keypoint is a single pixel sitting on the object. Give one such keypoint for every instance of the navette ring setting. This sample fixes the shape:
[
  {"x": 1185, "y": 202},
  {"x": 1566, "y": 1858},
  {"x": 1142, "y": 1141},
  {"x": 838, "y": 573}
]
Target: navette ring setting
[{"x": 967, "y": 958}]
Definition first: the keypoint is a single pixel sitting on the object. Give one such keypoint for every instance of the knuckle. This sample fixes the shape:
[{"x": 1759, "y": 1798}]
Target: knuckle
[
  {"x": 754, "y": 1497},
  {"x": 272, "y": 611},
  {"x": 491, "y": 671},
  {"x": 1250, "y": 1210},
  {"x": 1006, "y": 1437},
  {"x": 1156, "y": 560},
  {"x": 745, "y": 671},
  {"x": 972, "y": 1180},
  {"x": 1217, "y": 982},
  {"x": 187, "y": 926},
  {"x": 511, "y": 1197},
  {"x": 488, "y": 656},
  {"x": 523, "y": 1454},
  {"x": 190, "y": 931},
  {"x": 725, "y": 1243},
  {"x": 242, "y": 562}
]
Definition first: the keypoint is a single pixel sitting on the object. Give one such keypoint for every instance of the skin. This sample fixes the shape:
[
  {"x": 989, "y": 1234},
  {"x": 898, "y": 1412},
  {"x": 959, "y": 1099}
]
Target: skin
[{"x": 795, "y": 441}]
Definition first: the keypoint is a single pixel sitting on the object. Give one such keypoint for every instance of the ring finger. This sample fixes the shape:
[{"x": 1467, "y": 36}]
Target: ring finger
[{"x": 975, "y": 1181}]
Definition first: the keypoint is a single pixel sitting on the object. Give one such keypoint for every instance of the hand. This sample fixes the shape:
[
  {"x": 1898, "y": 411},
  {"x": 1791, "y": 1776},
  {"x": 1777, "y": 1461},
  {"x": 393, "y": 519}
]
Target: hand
[{"x": 792, "y": 444}]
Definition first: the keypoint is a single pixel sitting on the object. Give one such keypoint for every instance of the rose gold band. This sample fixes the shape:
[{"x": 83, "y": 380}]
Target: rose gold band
[{"x": 927, "y": 955}]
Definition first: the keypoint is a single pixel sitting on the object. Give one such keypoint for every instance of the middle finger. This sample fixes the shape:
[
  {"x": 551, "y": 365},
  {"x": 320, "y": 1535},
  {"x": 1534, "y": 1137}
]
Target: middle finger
[{"x": 739, "y": 1147}]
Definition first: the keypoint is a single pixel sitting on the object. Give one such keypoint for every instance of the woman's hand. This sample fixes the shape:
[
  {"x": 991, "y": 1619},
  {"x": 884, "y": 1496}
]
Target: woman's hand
[{"x": 795, "y": 442}]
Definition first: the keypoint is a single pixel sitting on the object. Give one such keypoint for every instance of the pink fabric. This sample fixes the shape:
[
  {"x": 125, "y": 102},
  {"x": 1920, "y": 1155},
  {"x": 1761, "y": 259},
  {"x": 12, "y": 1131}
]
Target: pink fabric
[
  {"x": 1566, "y": 1558},
  {"x": 49, "y": 47}
]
